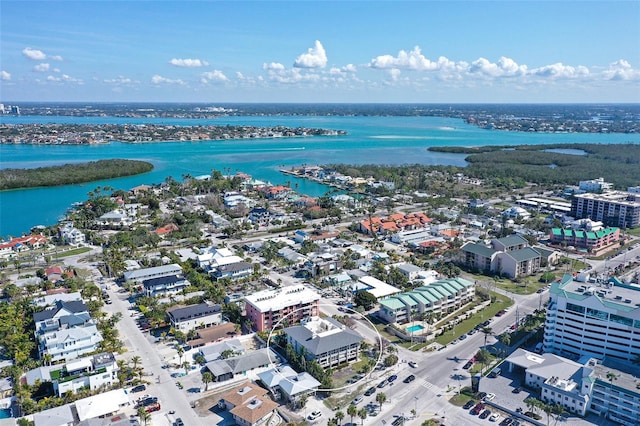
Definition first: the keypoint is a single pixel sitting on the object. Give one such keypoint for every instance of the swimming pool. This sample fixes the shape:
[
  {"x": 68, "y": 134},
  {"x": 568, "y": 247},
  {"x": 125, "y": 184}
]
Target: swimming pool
[
  {"x": 5, "y": 413},
  {"x": 415, "y": 328}
]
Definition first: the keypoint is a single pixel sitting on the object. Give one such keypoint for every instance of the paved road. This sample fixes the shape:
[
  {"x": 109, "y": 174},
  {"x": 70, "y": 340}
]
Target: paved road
[{"x": 137, "y": 343}]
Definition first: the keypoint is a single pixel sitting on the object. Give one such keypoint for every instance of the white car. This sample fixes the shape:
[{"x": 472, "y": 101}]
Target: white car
[
  {"x": 413, "y": 364},
  {"x": 489, "y": 396},
  {"x": 494, "y": 417},
  {"x": 357, "y": 400},
  {"x": 314, "y": 415}
]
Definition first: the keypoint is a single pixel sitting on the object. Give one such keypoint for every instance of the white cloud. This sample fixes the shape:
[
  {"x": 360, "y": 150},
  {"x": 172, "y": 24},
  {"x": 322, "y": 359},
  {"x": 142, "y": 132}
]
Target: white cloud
[
  {"x": 413, "y": 60},
  {"x": 215, "y": 76},
  {"x": 44, "y": 67},
  {"x": 559, "y": 70},
  {"x": 316, "y": 57},
  {"x": 39, "y": 55},
  {"x": 158, "y": 79},
  {"x": 394, "y": 73},
  {"x": 621, "y": 70},
  {"x": 276, "y": 66},
  {"x": 34, "y": 54},
  {"x": 188, "y": 63},
  {"x": 349, "y": 68},
  {"x": 505, "y": 67},
  {"x": 119, "y": 80},
  {"x": 64, "y": 78},
  {"x": 5, "y": 76}
]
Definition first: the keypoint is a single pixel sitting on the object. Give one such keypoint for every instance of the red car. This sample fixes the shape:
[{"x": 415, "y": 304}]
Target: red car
[{"x": 478, "y": 408}]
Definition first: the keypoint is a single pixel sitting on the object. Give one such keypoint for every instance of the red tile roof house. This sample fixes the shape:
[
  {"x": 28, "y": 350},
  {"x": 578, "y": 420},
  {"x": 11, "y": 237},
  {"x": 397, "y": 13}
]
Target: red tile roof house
[
  {"x": 166, "y": 230},
  {"x": 24, "y": 243},
  {"x": 393, "y": 223},
  {"x": 275, "y": 192}
]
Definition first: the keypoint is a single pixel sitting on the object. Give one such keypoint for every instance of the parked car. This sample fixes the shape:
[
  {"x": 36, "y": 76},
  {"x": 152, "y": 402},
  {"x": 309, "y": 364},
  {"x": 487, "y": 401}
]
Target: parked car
[
  {"x": 485, "y": 414},
  {"x": 489, "y": 397},
  {"x": 179, "y": 422},
  {"x": 470, "y": 403},
  {"x": 413, "y": 364},
  {"x": 468, "y": 365},
  {"x": 314, "y": 415},
  {"x": 409, "y": 378},
  {"x": 139, "y": 388},
  {"x": 370, "y": 391},
  {"x": 517, "y": 390},
  {"x": 494, "y": 417},
  {"x": 357, "y": 400},
  {"x": 392, "y": 378},
  {"x": 382, "y": 384},
  {"x": 506, "y": 422},
  {"x": 478, "y": 408}
]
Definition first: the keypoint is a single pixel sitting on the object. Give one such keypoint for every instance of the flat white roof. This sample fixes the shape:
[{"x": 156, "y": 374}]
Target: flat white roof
[
  {"x": 101, "y": 404},
  {"x": 379, "y": 288},
  {"x": 274, "y": 300}
]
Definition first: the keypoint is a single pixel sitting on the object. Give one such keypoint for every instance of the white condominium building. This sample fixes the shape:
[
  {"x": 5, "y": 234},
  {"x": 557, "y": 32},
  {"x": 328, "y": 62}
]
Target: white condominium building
[{"x": 594, "y": 320}]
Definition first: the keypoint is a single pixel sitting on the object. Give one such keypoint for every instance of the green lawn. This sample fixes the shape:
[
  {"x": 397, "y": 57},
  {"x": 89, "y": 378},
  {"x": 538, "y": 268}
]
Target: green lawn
[
  {"x": 502, "y": 302},
  {"x": 72, "y": 252}
]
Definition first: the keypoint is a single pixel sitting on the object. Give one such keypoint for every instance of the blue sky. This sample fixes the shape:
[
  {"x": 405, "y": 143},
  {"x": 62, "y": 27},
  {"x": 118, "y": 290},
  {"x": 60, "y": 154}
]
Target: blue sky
[{"x": 320, "y": 51}]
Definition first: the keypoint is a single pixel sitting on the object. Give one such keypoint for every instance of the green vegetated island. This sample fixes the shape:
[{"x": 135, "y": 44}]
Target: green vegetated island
[
  {"x": 69, "y": 174},
  {"x": 553, "y": 163}
]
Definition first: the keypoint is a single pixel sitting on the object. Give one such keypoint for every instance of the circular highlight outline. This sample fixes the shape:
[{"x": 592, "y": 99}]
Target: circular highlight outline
[{"x": 273, "y": 328}]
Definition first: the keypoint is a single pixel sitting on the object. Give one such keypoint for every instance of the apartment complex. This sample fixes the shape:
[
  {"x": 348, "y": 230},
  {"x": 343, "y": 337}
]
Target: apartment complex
[
  {"x": 615, "y": 208},
  {"x": 325, "y": 341},
  {"x": 267, "y": 307},
  {"x": 509, "y": 256},
  {"x": 594, "y": 320},
  {"x": 192, "y": 317},
  {"x": 438, "y": 297},
  {"x": 591, "y": 240}
]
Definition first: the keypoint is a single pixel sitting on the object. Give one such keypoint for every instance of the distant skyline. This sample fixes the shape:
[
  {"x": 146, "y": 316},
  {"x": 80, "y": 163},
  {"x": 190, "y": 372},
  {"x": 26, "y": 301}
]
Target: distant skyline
[{"x": 320, "y": 51}]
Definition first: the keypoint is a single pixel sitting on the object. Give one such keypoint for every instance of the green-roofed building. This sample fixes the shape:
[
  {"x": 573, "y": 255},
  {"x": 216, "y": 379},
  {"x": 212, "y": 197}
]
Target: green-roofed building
[
  {"x": 439, "y": 297},
  {"x": 510, "y": 256},
  {"x": 592, "y": 240}
]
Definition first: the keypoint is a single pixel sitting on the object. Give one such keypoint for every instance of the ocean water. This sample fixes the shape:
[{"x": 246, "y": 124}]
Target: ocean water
[{"x": 370, "y": 140}]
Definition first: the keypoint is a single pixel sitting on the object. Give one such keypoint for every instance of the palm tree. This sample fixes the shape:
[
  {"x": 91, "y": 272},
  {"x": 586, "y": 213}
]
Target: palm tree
[
  {"x": 144, "y": 416},
  {"x": 487, "y": 331},
  {"x": 136, "y": 360},
  {"x": 207, "y": 378},
  {"x": 362, "y": 413},
  {"x": 505, "y": 339},
  {"x": 339, "y": 417},
  {"x": 352, "y": 410},
  {"x": 381, "y": 398},
  {"x": 611, "y": 376},
  {"x": 180, "y": 351},
  {"x": 187, "y": 366}
]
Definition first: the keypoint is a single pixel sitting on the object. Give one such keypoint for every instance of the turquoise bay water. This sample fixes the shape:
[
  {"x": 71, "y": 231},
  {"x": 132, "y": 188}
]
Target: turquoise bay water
[{"x": 371, "y": 140}]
